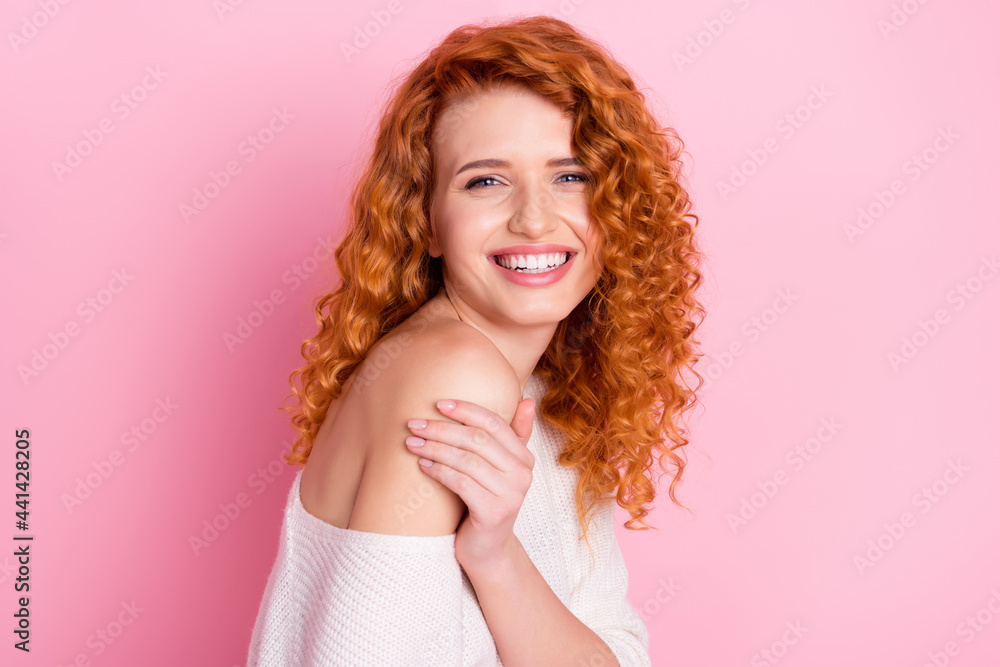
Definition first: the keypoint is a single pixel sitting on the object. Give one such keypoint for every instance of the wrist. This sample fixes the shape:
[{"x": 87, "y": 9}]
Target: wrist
[{"x": 501, "y": 565}]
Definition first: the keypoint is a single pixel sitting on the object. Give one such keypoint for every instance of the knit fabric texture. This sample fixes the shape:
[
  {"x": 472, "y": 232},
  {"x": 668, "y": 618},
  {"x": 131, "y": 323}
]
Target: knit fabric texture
[{"x": 340, "y": 596}]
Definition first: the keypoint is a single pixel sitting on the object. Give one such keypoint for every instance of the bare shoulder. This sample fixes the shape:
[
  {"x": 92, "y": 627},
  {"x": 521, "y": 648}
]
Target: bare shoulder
[
  {"x": 408, "y": 375},
  {"x": 452, "y": 356}
]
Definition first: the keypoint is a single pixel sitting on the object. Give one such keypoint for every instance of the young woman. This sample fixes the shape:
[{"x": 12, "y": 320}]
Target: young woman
[{"x": 520, "y": 245}]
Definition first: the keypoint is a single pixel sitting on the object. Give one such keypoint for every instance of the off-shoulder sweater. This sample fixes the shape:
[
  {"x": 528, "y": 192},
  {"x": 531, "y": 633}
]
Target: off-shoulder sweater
[{"x": 339, "y": 596}]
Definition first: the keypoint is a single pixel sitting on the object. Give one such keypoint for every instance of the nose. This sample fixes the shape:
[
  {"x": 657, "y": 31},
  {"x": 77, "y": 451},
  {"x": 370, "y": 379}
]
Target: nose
[{"x": 534, "y": 213}]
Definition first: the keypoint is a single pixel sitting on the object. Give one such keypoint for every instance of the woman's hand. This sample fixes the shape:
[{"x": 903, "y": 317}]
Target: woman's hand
[{"x": 487, "y": 464}]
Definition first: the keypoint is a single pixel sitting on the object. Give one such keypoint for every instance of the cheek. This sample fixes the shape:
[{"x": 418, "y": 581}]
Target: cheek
[
  {"x": 587, "y": 229},
  {"x": 459, "y": 237},
  {"x": 470, "y": 222}
]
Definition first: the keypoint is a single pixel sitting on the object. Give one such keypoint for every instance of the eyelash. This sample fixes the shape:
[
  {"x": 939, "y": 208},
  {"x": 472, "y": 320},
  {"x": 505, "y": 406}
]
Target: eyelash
[{"x": 474, "y": 183}]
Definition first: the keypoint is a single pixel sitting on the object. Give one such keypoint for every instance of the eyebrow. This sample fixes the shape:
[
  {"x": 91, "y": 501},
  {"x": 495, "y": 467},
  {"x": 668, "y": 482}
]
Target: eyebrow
[{"x": 494, "y": 163}]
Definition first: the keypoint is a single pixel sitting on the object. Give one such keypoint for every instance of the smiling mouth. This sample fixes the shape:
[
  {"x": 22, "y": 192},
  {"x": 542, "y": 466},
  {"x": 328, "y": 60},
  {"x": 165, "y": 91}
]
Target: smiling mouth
[{"x": 510, "y": 263}]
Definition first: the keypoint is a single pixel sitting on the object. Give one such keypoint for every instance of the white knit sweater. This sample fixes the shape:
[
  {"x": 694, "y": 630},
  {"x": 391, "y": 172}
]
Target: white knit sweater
[{"x": 340, "y": 596}]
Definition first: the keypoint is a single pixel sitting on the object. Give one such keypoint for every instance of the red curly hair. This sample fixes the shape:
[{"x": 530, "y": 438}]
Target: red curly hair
[{"x": 615, "y": 364}]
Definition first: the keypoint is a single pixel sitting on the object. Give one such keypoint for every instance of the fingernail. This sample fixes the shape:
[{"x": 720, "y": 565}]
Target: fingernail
[
  {"x": 424, "y": 462},
  {"x": 445, "y": 404},
  {"x": 414, "y": 441},
  {"x": 417, "y": 423}
]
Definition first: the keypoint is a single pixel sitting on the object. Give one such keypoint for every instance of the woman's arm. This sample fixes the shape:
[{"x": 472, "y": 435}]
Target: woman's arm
[
  {"x": 599, "y": 596},
  {"x": 388, "y": 589},
  {"x": 530, "y": 625},
  {"x": 345, "y": 597}
]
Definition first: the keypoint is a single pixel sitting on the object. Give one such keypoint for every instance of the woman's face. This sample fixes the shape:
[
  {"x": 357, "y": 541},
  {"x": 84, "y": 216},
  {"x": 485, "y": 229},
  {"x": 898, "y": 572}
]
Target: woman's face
[{"x": 506, "y": 176}]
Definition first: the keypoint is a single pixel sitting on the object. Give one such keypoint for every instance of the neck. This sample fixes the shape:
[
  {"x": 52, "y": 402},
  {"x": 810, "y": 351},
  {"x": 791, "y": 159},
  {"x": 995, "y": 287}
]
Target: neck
[{"x": 521, "y": 344}]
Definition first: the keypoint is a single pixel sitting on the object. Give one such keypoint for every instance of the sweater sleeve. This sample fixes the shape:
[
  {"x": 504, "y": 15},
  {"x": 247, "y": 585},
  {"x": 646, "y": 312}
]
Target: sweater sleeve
[
  {"x": 345, "y": 597},
  {"x": 599, "y": 597}
]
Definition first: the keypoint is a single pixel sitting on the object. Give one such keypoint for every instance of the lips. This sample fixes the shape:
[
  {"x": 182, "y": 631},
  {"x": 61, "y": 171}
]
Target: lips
[{"x": 533, "y": 277}]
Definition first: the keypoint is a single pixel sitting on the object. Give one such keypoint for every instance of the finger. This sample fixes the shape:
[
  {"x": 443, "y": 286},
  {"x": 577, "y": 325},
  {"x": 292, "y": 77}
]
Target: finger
[
  {"x": 476, "y": 415},
  {"x": 470, "y": 439},
  {"x": 524, "y": 420},
  {"x": 468, "y": 487}
]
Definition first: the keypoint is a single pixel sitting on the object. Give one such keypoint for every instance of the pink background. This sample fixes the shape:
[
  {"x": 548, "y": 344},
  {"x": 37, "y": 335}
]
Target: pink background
[{"x": 714, "y": 588}]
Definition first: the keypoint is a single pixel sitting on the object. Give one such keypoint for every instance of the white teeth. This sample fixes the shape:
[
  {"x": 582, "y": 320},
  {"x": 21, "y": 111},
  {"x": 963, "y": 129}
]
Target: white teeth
[{"x": 533, "y": 263}]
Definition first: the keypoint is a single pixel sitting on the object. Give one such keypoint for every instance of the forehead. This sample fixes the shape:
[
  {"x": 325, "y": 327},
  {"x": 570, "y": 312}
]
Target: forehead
[{"x": 502, "y": 123}]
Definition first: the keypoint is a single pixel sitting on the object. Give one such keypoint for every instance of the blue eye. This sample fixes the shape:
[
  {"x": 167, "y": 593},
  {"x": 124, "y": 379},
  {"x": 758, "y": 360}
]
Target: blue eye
[
  {"x": 475, "y": 182},
  {"x": 481, "y": 181}
]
